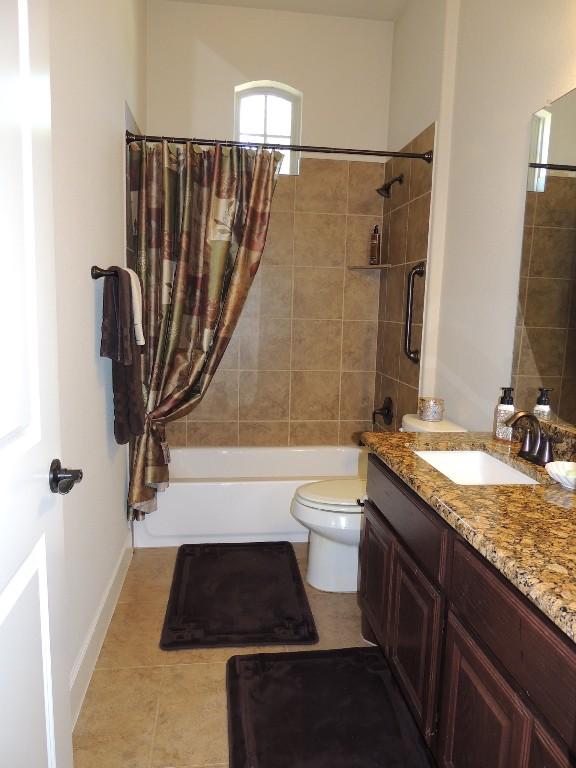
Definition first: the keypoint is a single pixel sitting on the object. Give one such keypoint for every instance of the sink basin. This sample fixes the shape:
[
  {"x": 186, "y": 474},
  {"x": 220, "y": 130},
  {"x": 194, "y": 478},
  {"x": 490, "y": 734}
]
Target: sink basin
[{"x": 474, "y": 468}]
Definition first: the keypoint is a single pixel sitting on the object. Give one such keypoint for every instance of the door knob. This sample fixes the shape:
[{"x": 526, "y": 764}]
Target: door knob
[{"x": 62, "y": 480}]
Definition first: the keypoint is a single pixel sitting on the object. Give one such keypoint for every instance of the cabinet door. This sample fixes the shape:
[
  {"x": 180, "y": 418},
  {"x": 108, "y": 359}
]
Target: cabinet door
[
  {"x": 545, "y": 752},
  {"x": 537, "y": 657},
  {"x": 415, "y": 638},
  {"x": 483, "y": 722},
  {"x": 419, "y": 528},
  {"x": 375, "y": 560}
]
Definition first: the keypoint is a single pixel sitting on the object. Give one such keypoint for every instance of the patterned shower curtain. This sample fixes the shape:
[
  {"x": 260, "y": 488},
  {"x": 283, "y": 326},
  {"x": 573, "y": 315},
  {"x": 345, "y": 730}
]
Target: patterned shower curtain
[{"x": 200, "y": 222}]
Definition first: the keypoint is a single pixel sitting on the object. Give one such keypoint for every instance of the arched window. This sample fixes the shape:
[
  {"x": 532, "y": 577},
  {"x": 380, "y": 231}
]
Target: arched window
[{"x": 271, "y": 113}]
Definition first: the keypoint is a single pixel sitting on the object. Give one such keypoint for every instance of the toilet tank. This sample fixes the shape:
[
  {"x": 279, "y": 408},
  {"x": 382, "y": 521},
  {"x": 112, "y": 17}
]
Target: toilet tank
[{"x": 411, "y": 423}]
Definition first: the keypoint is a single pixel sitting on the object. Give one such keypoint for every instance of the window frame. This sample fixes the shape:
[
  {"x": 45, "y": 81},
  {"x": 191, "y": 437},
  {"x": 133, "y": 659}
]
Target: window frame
[{"x": 283, "y": 91}]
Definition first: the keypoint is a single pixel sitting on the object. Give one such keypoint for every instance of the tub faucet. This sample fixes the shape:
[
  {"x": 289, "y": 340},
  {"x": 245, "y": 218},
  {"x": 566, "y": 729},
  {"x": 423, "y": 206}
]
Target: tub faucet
[{"x": 536, "y": 446}]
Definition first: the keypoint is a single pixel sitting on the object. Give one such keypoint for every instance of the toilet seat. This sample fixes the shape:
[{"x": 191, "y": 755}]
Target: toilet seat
[{"x": 339, "y": 495}]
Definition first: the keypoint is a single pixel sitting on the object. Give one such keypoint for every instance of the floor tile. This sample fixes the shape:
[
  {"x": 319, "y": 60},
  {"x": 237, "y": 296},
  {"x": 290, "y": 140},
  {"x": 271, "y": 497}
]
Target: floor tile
[
  {"x": 191, "y": 727},
  {"x": 337, "y": 618},
  {"x": 133, "y": 637},
  {"x": 128, "y": 717},
  {"x": 301, "y": 551},
  {"x": 116, "y": 725},
  {"x": 212, "y": 655},
  {"x": 143, "y": 552},
  {"x": 149, "y": 576},
  {"x": 199, "y": 765}
]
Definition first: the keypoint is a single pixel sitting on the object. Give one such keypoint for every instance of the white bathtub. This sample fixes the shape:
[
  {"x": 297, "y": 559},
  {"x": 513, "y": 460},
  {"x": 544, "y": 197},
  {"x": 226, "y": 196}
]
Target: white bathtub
[{"x": 239, "y": 494}]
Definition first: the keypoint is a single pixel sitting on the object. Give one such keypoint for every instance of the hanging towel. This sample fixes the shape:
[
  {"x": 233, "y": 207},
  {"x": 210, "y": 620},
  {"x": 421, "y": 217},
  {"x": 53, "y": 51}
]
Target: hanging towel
[
  {"x": 119, "y": 344},
  {"x": 136, "y": 306},
  {"x": 117, "y": 341}
]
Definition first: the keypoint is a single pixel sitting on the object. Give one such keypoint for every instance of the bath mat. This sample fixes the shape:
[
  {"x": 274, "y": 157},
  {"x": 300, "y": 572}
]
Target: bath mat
[
  {"x": 319, "y": 709},
  {"x": 237, "y": 595}
]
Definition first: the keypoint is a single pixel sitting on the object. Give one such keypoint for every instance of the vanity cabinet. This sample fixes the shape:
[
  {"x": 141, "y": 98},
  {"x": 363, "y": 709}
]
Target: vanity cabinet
[
  {"x": 415, "y": 632},
  {"x": 484, "y": 722},
  {"x": 377, "y": 547},
  {"x": 421, "y": 531},
  {"x": 403, "y": 605},
  {"x": 545, "y": 752},
  {"x": 531, "y": 651},
  {"x": 489, "y": 680}
]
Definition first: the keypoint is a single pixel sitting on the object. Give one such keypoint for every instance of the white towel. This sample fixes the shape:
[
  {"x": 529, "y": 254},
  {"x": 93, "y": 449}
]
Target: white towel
[{"x": 136, "y": 291}]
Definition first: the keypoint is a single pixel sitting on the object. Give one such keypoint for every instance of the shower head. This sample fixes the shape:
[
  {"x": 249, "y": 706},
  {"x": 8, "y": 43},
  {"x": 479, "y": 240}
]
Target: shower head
[{"x": 385, "y": 189}]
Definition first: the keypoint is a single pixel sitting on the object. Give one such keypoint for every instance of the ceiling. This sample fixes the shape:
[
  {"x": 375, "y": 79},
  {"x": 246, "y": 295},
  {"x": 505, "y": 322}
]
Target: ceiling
[{"x": 381, "y": 10}]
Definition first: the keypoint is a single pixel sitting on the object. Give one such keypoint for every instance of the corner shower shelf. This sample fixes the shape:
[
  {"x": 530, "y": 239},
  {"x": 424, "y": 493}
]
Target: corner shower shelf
[{"x": 369, "y": 266}]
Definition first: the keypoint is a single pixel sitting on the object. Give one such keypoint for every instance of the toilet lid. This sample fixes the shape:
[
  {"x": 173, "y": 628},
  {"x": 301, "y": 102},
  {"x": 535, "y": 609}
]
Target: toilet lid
[
  {"x": 342, "y": 491},
  {"x": 412, "y": 423}
]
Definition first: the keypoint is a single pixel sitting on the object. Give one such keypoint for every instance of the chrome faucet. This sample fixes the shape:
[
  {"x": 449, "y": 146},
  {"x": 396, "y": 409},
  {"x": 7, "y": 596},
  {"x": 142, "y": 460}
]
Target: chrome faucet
[{"x": 536, "y": 446}]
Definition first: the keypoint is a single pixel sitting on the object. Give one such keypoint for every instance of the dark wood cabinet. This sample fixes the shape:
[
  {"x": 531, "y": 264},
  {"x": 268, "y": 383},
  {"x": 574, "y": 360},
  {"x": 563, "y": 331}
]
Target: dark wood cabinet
[
  {"x": 483, "y": 721},
  {"x": 545, "y": 752},
  {"x": 377, "y": 548},
  {"x": 490, "y": 681},
  {"x": 421, "y": 531},
  {"x": 404, "y": 611},
  {"x": 540, "y": 661},
  {"x": 415, "y": 636}
]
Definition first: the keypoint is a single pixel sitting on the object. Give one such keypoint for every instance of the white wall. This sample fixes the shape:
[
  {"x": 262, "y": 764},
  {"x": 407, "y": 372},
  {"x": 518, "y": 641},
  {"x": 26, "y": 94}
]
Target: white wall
[
  {"x": 416, "y": 70},
  {"x": 497, "y": 65},
  {"x": 511, "y": 60},
  {"x": 197, "y": 54},
  {"x": 97, "y": 64},
  {"x": 423, "y": 71}
]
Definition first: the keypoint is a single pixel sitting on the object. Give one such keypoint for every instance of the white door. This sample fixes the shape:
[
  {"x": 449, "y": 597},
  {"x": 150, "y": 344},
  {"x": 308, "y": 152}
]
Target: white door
[{"x": 35, "y": 727}]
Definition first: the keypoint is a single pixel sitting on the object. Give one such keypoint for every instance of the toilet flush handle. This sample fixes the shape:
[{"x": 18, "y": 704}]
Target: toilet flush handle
[{"x": 360, "y": 502}]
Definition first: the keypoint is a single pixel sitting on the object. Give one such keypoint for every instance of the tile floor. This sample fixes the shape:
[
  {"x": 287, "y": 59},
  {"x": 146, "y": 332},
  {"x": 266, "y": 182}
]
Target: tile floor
[{"x": 148, "y": 708}]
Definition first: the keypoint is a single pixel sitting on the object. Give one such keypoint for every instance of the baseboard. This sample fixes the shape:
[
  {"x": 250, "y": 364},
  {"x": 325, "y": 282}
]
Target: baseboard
[{"x": 88, "y": 654}]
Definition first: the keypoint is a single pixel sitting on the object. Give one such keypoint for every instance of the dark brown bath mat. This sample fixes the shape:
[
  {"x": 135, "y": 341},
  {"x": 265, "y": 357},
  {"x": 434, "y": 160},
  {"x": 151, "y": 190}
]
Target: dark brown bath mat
[
  {"x": 236, "y": 595},
  {"x": 319, "y": 709}
]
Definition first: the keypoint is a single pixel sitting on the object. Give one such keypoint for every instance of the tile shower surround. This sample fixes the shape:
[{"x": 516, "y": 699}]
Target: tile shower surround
[
  {"x": 405, "y": 240},
  {"x": 306, "y": 358},
  {"x": 545, "y": 340}
]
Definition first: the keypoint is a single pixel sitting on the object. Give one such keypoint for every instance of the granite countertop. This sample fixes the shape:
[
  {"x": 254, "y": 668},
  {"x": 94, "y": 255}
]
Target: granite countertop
[{"x": 527, "y": 532}]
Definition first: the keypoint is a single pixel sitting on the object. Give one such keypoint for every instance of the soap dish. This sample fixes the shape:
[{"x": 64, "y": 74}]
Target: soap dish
[{"x": 564, "y": 472}]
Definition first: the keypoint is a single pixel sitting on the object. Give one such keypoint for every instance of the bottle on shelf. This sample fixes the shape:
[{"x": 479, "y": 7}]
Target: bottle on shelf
[{"x": 375, "y": 247}]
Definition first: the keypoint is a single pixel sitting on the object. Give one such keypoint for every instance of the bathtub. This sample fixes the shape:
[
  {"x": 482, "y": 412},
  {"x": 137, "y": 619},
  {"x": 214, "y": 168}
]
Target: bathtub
[{"x": 239, "y": 494}]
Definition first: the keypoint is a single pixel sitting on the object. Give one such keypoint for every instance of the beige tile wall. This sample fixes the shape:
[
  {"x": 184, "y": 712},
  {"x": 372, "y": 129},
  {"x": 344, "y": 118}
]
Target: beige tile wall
[
  {"x": 545, "y": 340},
  {"x": 301, "y": 367},
  {"x": 405, "y": 243}
]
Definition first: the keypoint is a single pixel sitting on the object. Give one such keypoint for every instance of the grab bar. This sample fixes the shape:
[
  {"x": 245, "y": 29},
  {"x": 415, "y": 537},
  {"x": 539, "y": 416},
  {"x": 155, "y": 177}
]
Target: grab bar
[{"x": 412, "y": 354}]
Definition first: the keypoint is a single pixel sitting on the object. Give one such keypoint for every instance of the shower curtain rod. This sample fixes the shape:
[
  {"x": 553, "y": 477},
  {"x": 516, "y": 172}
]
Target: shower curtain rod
[
  {"x": 426, "y": 156},
  {"x": 553, "y": 166}
]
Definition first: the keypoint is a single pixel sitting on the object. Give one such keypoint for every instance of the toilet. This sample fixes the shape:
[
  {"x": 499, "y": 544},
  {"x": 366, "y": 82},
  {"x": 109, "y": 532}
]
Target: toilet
[{"x": 332, "y": 511}]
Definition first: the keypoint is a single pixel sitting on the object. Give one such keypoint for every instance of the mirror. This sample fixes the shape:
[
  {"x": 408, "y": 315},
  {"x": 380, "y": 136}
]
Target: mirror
[{"x": 545, "y": 338}]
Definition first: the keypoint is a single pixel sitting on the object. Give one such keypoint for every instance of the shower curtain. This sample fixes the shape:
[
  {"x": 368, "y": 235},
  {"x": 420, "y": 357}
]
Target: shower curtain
[{"x": 200, "y": 222}]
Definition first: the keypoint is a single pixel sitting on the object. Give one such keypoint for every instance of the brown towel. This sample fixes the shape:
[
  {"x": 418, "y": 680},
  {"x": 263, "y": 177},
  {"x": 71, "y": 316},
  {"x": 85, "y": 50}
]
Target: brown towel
[{"x": 119, "y": 344}]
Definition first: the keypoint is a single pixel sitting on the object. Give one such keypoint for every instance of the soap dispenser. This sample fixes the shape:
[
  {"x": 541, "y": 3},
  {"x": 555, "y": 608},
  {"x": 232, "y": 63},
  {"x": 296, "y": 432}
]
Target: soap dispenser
[
  {"x": 504, "y": 410},
  {"x": 542, "y": 407}
]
